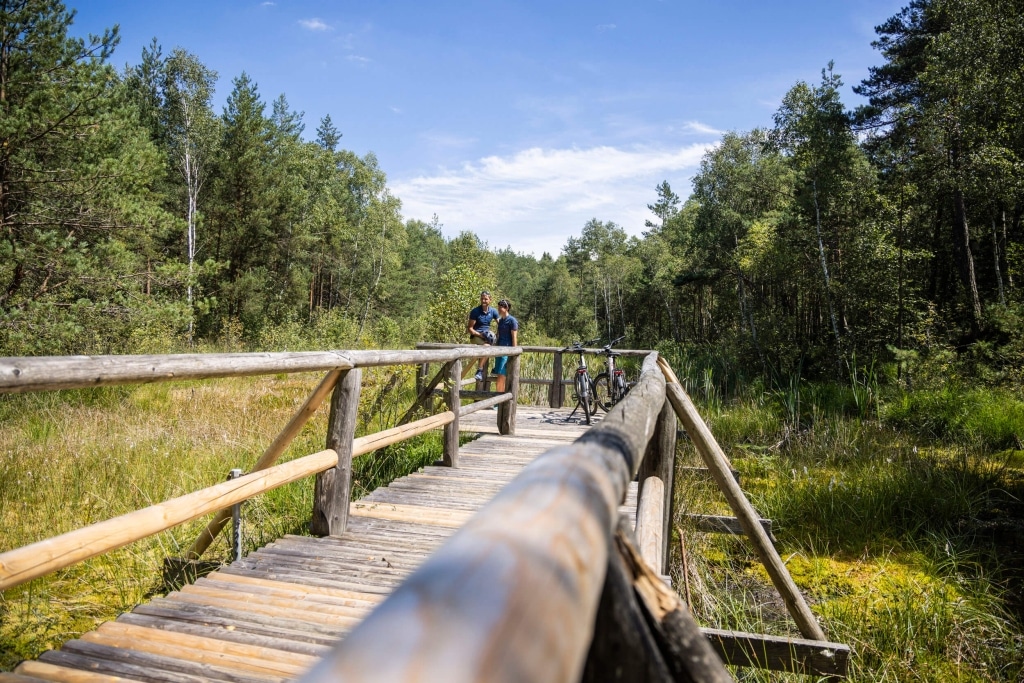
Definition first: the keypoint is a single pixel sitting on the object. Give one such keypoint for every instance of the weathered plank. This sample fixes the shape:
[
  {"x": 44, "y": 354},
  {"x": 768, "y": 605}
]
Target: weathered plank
[{"x": 779, "y": 653}]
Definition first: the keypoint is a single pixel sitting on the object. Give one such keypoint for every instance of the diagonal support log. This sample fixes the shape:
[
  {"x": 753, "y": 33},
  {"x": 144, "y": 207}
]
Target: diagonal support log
[
  {"x": 719, "y": 467},
  {"x": 269, "y": 457}
]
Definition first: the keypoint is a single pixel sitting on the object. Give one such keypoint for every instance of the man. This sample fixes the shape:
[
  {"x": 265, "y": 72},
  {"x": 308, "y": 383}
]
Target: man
[
  {"x": 508, "y": 335},
  {"x": 479, "y": 328}
]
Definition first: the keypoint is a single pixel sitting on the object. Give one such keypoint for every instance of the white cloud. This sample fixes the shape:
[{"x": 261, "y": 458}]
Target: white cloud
[
  {"x": 537, "y": 198},
  {"x": 701, "y": 128},
  {"x": 605, "y": 27},
  {"x": 267, "y": 4},
  {"x": 314, "y": 24},
  {"x": 358, "y": 60}
]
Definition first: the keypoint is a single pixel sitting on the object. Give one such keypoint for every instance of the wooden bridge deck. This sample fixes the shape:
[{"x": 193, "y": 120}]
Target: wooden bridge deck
[{"x": 271, "y": 615}]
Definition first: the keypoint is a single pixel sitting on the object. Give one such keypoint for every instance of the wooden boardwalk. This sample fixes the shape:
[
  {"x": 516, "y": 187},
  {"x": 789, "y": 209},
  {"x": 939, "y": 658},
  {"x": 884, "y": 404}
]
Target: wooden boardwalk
[{"x": 271, "y": 615}]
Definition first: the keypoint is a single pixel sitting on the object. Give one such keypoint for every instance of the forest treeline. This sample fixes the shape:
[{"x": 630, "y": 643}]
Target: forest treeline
[{"x": 136, "y": 218}]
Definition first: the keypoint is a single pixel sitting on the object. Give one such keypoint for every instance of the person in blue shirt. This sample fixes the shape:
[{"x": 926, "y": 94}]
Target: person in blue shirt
[
  {"x": 479, "y": 328},
  {"x": 508, "y": 335}
]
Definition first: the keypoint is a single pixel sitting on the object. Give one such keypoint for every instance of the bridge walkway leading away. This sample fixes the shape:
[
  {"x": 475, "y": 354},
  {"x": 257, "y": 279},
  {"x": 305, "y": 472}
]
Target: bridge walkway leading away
[{"x": 271, "y": 615}]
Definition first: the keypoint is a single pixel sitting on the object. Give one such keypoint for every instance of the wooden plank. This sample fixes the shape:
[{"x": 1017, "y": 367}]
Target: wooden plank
[
  {"x": 721, "y": 524},
  {"x": 236, "y": 657},
  {"x": 359, "y": 567},
  {"x": 311, "y": 579},
  {"x": 45, "y": 671},
  {"x": 779, "y": 653},
  {"x": 375, "y": 557},
  {"x": 410, "y": 513},
  {"x": 233, "y": 633},
  {"x": 333, "y": 487},
  {"x": 147, "y": 666},
  {"x": 290, "y": 602},
  {"x": 228, "y": 622},
  {"x": 236, "y": 617},
  {"x": 228, "y": 601},
  {"x": 307, "y": 590},
  {"x": 6, "y": 677},
  {"x": 271, "y": 659}
]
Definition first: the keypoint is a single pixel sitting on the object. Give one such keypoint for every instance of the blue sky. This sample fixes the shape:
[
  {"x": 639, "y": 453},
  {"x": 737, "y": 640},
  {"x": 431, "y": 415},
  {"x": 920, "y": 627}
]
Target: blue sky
[{"x": 517, "y": 120}]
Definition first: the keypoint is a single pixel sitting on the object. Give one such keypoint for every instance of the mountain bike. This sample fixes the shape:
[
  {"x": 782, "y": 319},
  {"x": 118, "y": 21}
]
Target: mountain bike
[
  {"x": 610, "y": 386},
  {"x": 583, "y": 385}
]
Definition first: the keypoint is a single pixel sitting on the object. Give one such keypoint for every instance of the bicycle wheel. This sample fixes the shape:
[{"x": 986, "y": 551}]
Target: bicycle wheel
[
  {"x": 602, "y": 393},
  {"x": 583, "y": 394}
]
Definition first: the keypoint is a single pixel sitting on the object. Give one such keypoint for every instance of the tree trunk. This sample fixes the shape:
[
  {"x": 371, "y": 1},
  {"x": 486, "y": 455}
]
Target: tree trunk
[
  {"x": 996, "y": 258},
  {"x": 964, "y": 258}
]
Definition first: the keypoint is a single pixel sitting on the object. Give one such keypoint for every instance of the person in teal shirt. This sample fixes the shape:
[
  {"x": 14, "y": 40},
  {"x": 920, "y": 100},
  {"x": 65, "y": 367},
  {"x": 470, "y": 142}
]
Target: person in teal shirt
[{"x": 508, "y": 335}]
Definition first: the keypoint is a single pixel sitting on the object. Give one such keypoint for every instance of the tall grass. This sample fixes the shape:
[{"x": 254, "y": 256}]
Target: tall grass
[{"x": 906, "y": 538}]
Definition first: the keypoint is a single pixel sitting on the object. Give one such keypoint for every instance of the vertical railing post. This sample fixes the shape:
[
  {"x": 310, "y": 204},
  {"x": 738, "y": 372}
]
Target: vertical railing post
[
  {"x": 236, "y": 520},
  {"x": 421, "y": 377},
  {"x": 555, "y": 391},
  {"x": 659, "y": 461},
  {"x": 507, "y": 410},
  {"x": 453, "y": 382},
  {"x": 333, "y": 488}
]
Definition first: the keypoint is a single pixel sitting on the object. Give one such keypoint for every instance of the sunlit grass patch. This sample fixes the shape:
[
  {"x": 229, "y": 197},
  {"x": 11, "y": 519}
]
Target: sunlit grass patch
[{"x": 906, "y": 546}]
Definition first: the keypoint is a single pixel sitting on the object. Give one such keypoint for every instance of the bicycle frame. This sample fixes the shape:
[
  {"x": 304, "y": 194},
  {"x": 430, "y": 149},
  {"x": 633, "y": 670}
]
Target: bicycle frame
[{"x": 583, "y": 384}]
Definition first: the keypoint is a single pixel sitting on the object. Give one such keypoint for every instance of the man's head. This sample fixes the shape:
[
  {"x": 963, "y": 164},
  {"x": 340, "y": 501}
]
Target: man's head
[
  {"x": 485, "y": 298},
  {"x": 504, "y": 307}
]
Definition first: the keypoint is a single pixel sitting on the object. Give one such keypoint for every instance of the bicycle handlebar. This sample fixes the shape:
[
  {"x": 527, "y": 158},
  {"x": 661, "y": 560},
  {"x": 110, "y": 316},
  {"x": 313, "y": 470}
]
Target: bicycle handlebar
[{"x": 578, "y": 345}]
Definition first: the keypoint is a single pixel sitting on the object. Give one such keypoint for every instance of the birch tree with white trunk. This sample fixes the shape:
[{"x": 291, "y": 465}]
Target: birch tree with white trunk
[{"x": 192, "y": 131}]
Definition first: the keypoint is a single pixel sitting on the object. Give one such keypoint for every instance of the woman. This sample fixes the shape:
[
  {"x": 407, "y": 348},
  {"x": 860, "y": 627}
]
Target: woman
[{"x": 508, "y": 335}]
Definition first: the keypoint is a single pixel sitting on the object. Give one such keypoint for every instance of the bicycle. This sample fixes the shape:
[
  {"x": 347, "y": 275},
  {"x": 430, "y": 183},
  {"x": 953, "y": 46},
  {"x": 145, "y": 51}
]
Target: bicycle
[
  {"x": 583, "y": 385},
  {"x": 611, "y": 386}
]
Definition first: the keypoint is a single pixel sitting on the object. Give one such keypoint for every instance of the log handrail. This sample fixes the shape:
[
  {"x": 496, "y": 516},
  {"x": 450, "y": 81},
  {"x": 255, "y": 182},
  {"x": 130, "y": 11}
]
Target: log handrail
[{"x": 47, "y": 373}]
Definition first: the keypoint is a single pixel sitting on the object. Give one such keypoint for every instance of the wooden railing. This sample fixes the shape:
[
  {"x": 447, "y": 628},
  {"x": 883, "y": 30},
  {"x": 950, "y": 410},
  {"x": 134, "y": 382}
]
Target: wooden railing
[
  {"x": 556, "y": 383},
  {"x": 332, "y": 466},
  {"x": 543, "y": 584}
]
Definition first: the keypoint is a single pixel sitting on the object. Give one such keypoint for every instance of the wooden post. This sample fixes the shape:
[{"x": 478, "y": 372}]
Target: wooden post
[
  {"x": 555, "y": 391},
  {"x": 333, "y": 487},
  {"x": 660, "y": 461},
  {"x": 650, "y": 513},
  {"x": 450, "y": 455},
  {"x": 507, "y": 410}
]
